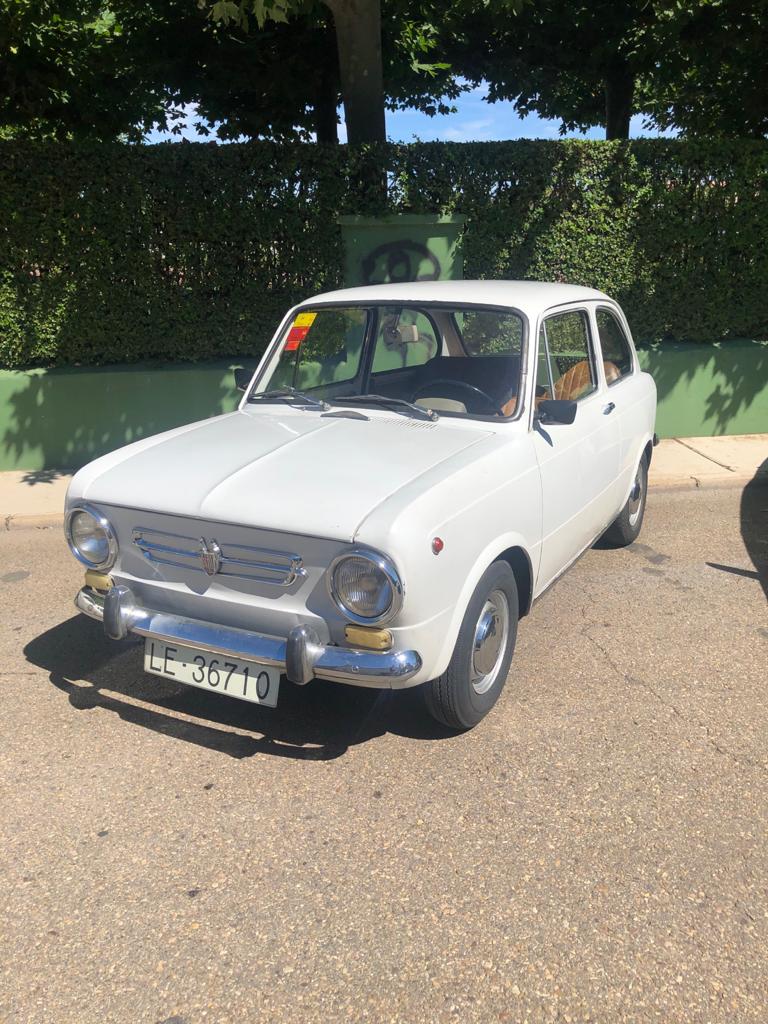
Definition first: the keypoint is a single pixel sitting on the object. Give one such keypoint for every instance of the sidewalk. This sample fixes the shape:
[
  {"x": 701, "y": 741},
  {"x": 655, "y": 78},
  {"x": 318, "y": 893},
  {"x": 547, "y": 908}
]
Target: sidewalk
[
  {"x": 36, "y": 499},
  {"x": 708, "y": 461},
  {"x": 32, "y": 498}
]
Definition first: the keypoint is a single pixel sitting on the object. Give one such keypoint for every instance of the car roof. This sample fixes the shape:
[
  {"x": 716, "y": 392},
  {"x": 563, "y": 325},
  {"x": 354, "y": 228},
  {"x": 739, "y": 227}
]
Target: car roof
[{"x": 531, "y": 297}]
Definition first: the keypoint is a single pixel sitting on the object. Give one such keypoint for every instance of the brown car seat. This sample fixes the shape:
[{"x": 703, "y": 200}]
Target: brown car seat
[
  {"x": 612, "y": 372},
  {"x": 578, "y": 380},
  {"x": 574, "y": 382},
  {"x": 571, "y": 385}
]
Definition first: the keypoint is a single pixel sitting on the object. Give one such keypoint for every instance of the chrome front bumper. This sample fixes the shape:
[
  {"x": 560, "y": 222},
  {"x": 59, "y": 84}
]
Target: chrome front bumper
[{"x": 301, "y": 656}]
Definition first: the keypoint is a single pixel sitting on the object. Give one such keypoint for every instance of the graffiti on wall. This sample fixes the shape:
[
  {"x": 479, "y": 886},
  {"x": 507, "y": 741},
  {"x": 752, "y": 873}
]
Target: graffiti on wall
[{"x": 399, "y": 261}]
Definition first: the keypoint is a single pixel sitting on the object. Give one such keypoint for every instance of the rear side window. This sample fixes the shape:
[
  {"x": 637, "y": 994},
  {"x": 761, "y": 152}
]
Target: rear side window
[{"x": 617, "y": 355}]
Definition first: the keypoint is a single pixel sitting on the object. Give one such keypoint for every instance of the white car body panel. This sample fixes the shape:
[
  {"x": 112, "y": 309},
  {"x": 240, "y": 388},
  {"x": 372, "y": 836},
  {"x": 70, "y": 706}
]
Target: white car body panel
[
  {"x": 289, "y": 479},
  {"x": 279, "y": 468}
]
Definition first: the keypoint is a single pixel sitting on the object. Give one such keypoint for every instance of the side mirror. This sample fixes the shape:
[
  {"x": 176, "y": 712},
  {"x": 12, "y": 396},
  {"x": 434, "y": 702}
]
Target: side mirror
[
  {"x": 242, "y": 378},
  {"x": 553, "y": 410}
]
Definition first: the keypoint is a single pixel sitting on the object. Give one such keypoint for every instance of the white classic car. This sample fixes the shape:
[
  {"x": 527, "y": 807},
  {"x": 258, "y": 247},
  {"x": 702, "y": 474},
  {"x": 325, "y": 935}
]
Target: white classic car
[{"x": 410, "y": 466}]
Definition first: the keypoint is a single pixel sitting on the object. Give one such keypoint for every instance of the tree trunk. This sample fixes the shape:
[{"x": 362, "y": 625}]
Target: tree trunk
[
  {"x": 325, "y": 111},
  {"x": 358, "y": 38},
  {"x": 619, "y": 93}
]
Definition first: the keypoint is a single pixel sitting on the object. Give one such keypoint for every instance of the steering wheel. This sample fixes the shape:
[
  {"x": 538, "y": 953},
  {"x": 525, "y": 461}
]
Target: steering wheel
[{"x": 445, "y": 387}]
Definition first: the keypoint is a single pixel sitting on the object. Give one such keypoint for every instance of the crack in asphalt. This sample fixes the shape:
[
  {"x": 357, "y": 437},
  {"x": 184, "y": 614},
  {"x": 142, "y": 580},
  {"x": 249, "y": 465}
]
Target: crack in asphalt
[{"x": 710, "y": 740}]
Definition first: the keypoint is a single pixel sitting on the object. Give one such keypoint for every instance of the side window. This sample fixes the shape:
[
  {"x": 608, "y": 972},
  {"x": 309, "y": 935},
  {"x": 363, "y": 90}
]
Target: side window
[
  {"x": 617, "y": 355},
  {"x": 572, "y": 368},
  {"x": 405, "y": 338}
]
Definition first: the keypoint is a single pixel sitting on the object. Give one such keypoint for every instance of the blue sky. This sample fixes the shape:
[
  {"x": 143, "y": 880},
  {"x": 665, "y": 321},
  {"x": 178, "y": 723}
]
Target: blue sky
[{"x": 474, "y": 121}]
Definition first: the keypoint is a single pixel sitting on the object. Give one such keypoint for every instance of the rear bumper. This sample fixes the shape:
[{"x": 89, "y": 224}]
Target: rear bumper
[{"x": 300, "y": 656}]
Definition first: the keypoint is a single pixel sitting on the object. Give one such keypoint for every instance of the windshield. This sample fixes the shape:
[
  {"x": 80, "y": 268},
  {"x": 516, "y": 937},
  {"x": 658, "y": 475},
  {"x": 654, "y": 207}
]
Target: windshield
[{"x": 460, "y": 361}]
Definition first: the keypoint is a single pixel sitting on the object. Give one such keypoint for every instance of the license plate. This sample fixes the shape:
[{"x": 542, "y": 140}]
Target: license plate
[{"x": 245, "y": 680}]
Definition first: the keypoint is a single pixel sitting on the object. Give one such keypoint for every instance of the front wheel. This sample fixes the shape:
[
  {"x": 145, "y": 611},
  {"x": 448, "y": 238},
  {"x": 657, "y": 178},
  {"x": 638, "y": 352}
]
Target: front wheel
[
  {"x": 477, "y": 671},
  {"x": 626, "y": 526}
]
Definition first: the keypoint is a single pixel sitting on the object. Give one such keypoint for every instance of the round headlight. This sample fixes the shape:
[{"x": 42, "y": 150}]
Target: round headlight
[
  {"x": 366, "y": 587},
  {"x": 91, "y": 538}
]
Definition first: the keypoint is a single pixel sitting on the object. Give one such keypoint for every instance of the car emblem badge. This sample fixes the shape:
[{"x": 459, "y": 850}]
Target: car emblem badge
[{"x": 210, "y": 556}]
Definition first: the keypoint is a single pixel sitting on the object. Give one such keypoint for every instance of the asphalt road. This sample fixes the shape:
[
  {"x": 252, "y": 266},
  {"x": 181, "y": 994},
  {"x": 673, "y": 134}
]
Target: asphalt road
[{"x": 594, "y": 851}]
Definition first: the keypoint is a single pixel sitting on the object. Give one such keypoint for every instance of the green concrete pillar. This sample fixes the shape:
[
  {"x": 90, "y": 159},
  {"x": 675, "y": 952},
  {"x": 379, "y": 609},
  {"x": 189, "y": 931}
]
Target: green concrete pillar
[{"x": 402, "y": 247}]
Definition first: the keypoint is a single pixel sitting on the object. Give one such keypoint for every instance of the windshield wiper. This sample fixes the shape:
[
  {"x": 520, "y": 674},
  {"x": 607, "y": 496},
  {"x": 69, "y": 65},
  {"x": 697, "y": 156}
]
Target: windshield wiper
[
  {"x": 288, "y": 394},
  {"x": 416, "y": 410}
]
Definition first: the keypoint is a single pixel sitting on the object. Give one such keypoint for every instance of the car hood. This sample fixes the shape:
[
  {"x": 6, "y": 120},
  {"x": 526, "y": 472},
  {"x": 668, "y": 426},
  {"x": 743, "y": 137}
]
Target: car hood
[{"x": 293, "y": 471}]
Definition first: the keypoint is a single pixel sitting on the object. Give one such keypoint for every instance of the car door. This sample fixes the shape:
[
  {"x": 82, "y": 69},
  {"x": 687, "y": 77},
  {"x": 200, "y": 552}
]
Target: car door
[
  {"x": 579, "y": 461},
  {"x": 624, "y": 388}
]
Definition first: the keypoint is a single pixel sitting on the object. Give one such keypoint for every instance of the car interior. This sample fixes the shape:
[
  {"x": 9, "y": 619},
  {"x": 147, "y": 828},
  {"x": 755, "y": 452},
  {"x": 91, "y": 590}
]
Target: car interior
[
  {"x": 463, "y": 361},
  {"x": 472, "y": 371}
]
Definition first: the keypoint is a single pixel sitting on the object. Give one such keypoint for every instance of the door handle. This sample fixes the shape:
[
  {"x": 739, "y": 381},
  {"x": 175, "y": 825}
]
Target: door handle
[{"x": 609, "y": 408}]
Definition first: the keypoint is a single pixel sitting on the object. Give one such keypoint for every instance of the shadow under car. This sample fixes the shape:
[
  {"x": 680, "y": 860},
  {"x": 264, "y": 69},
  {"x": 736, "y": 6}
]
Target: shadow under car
[{"x": 320, "y": 721}]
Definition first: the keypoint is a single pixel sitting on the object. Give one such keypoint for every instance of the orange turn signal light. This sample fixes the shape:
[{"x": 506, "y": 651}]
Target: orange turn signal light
[
  {"x": 368, "y": 636},
  {"x": 98, "y": 580}
]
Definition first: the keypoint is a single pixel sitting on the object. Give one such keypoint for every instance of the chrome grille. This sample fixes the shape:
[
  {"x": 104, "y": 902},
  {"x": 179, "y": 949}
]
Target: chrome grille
[{"x": 280, "y": 568}]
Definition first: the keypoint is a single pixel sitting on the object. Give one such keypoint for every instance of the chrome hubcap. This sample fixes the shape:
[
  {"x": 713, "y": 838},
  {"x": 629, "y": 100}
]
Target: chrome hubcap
[
  {"x": 635, "y": 497},
  {"x": 491, "y": 634}
]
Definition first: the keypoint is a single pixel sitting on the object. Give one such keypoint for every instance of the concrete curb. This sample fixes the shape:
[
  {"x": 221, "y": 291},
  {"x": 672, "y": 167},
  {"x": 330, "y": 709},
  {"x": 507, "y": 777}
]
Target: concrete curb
[{"x": 694, "y": 483}]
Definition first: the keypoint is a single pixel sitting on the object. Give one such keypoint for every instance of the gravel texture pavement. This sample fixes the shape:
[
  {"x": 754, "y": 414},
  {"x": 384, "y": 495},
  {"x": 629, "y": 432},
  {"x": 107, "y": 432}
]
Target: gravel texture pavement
[{"x": 594, "y": 851}]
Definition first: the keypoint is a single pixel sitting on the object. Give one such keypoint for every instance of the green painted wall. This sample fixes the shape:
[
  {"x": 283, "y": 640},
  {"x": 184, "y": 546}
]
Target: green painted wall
[
  {"x": 705, "y": 390},
  {"x": 60, "y": 419}
]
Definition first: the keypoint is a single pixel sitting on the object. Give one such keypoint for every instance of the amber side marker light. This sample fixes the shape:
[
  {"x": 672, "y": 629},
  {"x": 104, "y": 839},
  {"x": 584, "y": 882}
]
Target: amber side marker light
[
  {"x": 368, "y": 636},
  {"x": 98, "y": 580}
]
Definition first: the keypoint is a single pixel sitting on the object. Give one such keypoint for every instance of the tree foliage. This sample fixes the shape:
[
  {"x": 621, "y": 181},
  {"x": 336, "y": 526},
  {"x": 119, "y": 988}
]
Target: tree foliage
[
  {"x": 91, "y": 69},
  {"x": 575, "y": 60},
  {"x": 101, "y": 69},
  {"x": 67, "y": 70},
  {"x": 364, "y": 61},
  {"x": 713, "y": 81},
  {"x": 283, "y": 76},
  {"x": 685, "y": 64}
]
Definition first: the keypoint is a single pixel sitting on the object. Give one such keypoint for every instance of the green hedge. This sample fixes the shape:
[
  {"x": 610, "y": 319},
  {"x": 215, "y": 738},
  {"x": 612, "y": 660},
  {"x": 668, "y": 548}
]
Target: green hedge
[{"x": 113, "y": 253}]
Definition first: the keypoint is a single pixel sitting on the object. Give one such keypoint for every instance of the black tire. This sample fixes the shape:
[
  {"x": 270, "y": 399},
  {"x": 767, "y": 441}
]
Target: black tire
[
  {"x": 454, "y": 698},
  {"x": 626, "y": 526}
]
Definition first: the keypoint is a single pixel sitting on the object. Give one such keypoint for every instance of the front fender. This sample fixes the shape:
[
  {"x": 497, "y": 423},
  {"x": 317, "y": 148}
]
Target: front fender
[
  {"x": 492, "y": 551},
  {"x": 479, "y": 505}
]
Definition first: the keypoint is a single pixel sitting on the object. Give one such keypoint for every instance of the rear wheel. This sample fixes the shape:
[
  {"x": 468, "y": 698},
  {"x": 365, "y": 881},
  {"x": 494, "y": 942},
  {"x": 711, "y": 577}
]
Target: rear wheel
[
  {"x": 626, "y": 526},
  {"x": 477, "y": 671}
]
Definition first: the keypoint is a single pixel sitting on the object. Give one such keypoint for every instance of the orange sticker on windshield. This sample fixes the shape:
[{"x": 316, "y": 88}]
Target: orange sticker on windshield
[
  {"x": 299, "y": 330},
  {"x": 295, "y": 337}
]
